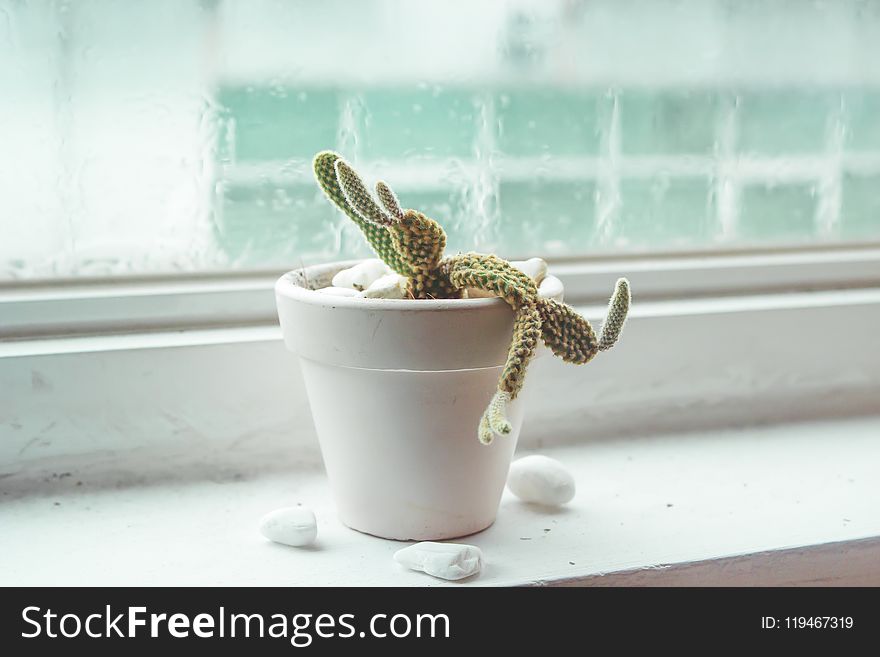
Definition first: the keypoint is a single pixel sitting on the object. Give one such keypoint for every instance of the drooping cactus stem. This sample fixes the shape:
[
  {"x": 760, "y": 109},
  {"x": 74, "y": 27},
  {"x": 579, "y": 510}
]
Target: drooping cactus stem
[
  {"x": 526, "y": 333},
  {"x": 615, "y": 317},
  {"x": 494, "y": 420},
  {"x": 568, "y": 335},
  {"x": 497, "y": 413},
  {"x": 490, "y": 273}
]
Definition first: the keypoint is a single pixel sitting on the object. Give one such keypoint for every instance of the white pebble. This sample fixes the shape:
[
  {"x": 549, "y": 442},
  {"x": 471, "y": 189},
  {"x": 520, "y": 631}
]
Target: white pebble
[
  {"x": 340, "y": 291},
  {"x": 541, "y": 480},
  {"x": 534, "y": 268},
  {"x": 551, "y": 287},
  {"x": 391, "y": 286},
  {"x": 292, "y": 525},
  {"x": 362, "y": 275},
  {"x": 444, "y": 560}
]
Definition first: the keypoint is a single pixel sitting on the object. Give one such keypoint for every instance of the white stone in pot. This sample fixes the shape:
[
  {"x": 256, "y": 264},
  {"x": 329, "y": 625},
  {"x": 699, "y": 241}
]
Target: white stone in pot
[
  {"x": 361, "y": 275},
  {"x": 340, "y": 291},
  {"x": 534, "y": 268},
  {"x": 551, "y": 288},
  {"x": 540, "y": 480},
  {"x": 292, "y": 525},
  {"x": 390, "y": 286},
  {"x": 450, "y": 561}
]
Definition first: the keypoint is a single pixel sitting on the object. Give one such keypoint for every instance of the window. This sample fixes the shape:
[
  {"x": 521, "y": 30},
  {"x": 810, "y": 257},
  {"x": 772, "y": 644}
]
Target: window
[
  {"x": 176, "y": 136},
  {"x": 155, "y": 180}
]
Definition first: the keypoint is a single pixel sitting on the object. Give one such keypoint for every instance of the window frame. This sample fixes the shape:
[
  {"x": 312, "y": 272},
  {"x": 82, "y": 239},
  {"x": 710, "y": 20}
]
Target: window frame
[
  {"x": 706, "y": 347},
  {"x": 72, "y": 307}
]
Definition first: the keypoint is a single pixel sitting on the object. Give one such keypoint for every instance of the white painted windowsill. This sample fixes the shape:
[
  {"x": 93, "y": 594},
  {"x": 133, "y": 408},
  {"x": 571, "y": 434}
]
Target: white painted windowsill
[{"x": 786, "y": 504}]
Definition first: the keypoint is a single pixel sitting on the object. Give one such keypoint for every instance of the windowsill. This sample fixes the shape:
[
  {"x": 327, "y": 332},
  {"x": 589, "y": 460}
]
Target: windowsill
[
  {"x": 183, "y": 433},
  {"x": 683, "y": 366},
  {"x": 799, "y": 498}
]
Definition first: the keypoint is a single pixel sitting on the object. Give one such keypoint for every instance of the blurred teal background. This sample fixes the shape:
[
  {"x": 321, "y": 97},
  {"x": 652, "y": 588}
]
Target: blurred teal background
[
  {"x": 176, "y": 136},
  {"x": 667, "y": 172}
]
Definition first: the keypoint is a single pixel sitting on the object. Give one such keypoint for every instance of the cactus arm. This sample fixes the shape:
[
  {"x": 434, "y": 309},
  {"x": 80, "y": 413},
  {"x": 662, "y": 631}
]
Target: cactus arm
[
  {"x": 491, "y": 273},
  {"x": 519, "y": 291},
  {"x": 526, "y": 332},
  {"x": 615, "y": 317},
  {"x": 420, "y": 241},
  {"x": 417, "y": 240},
  {"x": 407, "y": 241},
  {"x": 378, "y": 236},
  {"x": 388, "y": 199},
  {"x": 358, "y": 196},
  {"x": 494, "y": 419},
  {"x": 566, "y": 333},
  {"x": 571, "y": 337}
]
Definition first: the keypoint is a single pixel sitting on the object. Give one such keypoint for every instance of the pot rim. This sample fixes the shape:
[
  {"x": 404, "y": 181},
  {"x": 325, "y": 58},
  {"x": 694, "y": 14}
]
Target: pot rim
[{"x": 288, "y": 286}]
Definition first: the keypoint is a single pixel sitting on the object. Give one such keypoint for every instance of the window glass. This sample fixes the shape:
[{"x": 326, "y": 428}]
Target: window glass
[{"x": 176, "y": 135}]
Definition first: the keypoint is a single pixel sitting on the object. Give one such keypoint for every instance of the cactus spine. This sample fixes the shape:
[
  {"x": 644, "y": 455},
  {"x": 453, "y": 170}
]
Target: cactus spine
[{"x": 412, "y": 245}]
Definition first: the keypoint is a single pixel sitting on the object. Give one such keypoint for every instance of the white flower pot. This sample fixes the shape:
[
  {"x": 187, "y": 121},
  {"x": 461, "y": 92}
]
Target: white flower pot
[{"x": 397, "y": 388}]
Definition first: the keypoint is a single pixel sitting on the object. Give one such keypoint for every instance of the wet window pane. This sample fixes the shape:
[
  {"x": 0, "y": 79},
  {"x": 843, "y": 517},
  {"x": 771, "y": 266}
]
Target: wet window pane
[
  {"x": 177, "y": 135},
  {"x": 668, "y": 122},
  {"x": 777, "y": 211},
  {"x": 548, "y": 122},
  {"x": 666, "y": 211}
]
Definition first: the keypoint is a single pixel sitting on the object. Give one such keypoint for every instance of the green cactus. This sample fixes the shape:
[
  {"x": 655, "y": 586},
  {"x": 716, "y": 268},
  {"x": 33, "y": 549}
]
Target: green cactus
[{"x": 412, "y": 245}]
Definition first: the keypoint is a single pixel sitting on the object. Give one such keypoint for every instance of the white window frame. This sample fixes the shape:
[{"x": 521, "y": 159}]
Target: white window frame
[
  {"x": 714, "y": 339},
  {"x": 70, "y": 307}
]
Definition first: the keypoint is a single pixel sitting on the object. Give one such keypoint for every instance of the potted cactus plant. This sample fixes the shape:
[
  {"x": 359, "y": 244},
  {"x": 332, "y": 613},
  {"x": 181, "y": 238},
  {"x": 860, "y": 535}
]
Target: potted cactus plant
[{"x": 416, "y": 400}]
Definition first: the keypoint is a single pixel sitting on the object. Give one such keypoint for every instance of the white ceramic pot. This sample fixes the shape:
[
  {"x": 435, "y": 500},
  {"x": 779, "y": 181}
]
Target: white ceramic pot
[{"x": 397, "y": 388}]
